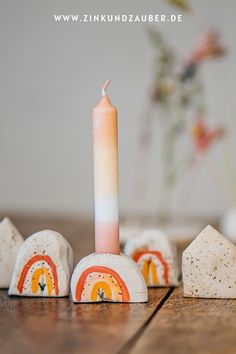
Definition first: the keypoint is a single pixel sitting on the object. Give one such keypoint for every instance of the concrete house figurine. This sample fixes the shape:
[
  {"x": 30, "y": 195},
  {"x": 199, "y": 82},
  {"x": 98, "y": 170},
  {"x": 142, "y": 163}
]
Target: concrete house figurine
[{"x": 209, "y": 266}]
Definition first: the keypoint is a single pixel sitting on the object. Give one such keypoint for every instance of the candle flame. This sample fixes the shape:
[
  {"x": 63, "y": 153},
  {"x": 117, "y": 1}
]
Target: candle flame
[{"x": 104, "y": 87}]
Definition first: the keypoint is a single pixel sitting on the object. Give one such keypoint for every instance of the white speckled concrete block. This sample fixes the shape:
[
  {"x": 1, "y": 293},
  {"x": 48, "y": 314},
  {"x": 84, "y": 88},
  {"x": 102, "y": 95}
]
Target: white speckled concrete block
[
  {"x": 155, "y": 256},
  {"x": 43, "y": 266},
  {"x": 209, "y": 266},
  {"x": 228, "y": 224},
  {"x": 107, "y": 278},
  {"x": 10, "y": 242}
]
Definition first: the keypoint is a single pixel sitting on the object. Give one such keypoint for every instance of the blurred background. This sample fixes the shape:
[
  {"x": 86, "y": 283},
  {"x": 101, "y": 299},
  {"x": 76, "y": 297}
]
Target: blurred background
[{"x": 173, "y": 85}]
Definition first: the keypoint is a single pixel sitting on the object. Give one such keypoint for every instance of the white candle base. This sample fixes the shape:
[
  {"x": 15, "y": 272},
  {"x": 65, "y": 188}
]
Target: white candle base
[
  {"x": 43, "y": 266},
  {"x": 156, "y": 257},
  {"x": 107, "y": 278}
]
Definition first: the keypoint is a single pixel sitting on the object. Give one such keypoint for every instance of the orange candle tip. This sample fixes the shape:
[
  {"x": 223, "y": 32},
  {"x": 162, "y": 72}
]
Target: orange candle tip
[{"x": 104, "y": 87}]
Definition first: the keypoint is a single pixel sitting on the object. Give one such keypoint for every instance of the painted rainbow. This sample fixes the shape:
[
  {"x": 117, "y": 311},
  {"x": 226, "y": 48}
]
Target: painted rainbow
[
  {"x": 107, "y": 278},
  {"x": 43, "y": 276},
  {"x": 155, "y": 256},
  {"x": 43, "y": 266},
  {"x": 153, "y": 267}
]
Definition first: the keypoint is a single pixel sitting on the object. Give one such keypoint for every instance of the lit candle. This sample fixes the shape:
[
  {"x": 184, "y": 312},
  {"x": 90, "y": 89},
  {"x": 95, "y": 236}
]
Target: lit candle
[{"x": 105, "y": 140}]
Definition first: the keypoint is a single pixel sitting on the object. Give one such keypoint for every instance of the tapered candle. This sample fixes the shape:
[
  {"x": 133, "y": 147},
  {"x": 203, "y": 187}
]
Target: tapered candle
[{"x": 105, "y": 139}]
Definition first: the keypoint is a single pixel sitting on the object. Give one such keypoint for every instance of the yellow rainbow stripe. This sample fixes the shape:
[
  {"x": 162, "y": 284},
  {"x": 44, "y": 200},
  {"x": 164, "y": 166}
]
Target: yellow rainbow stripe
[
  {"x": 99, "y": 283},
  {"x": 35, "y": 280}
]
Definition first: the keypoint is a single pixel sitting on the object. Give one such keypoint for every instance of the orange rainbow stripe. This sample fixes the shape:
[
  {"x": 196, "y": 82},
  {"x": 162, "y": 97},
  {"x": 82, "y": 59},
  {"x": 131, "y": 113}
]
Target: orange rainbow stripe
[
  {"x": 106, "y": 270},
  {"x": 158, "y": 254},
  {"x": 33, "y": 260}
]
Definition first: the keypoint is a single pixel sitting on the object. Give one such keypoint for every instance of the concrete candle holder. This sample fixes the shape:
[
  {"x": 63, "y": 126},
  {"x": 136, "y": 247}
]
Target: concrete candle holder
[
  {"x": 106, "y": 275},
  {"x": 10, "y": 242},
  {"x": 107, "y": 278},
  {"x": 156, "y": 257},
  {"x": 43, "y": 266}
]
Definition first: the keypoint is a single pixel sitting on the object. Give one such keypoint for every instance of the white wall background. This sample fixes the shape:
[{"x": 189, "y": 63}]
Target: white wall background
[{"x": 51, "y": 75}]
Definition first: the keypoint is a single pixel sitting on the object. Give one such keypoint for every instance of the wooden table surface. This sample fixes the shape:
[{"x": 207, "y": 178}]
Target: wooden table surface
[{"x": 168, "y": 323}]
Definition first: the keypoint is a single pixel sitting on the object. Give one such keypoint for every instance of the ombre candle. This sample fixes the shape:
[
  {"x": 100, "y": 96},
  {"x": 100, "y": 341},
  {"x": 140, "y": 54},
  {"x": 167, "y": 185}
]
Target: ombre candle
[{"x": 105, "y": 140}]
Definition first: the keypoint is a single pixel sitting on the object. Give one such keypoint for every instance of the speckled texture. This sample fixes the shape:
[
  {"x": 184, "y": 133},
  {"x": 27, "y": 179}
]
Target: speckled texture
[
  {"x": 126, "y": 269},
  {"x": 51, "y": 266},
  {"x": 10, "y": 242},
  {"x": 209, "y": 266},
  {"x": 155, "y": 240}
]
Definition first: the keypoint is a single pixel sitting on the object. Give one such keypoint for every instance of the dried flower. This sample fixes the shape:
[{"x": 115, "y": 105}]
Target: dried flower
[
  {"x": 209, "y": 46},
  {"x": 162, "y": 91},
  {"x": 189, "y": 71},
  {"x": 180, "y": 4},
  {"x": 203, "y": 136}
]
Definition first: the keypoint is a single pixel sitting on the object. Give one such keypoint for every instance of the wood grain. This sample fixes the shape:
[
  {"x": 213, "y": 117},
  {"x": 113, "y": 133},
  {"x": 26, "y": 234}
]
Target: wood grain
[
  {"x": 187, "y": 325},
  {"x": 36, "y": 325},
  {"x": 48, "y": 326}
]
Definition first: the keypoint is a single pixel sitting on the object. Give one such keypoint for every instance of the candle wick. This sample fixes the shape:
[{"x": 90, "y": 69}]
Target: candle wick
[{"x": 104, "y": 87}]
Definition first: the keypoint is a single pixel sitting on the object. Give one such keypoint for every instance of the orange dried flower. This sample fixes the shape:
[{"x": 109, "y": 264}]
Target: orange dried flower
[
  {"x": 203, "y": 136},
  {"x": 209, "y": 46}
]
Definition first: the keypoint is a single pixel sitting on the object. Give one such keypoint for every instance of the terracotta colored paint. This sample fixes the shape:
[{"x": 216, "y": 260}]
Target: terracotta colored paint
[
  {"x": 27, "y": 267},
  {"x": 149, "y": 267},
  {"x": 105, "y": 280}
]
